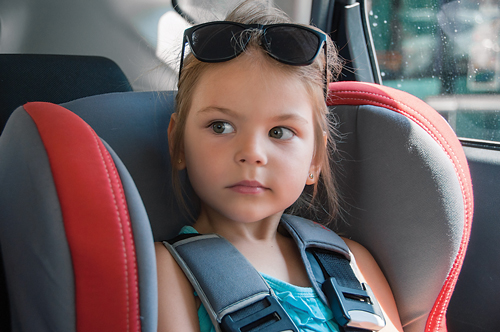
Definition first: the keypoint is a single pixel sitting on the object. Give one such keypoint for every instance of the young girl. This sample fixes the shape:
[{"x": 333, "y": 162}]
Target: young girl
[{"x": 251, "y": 130}]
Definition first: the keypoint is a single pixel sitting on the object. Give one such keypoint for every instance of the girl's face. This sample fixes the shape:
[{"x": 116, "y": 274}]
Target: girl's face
[{"x": 249, "y": 140}]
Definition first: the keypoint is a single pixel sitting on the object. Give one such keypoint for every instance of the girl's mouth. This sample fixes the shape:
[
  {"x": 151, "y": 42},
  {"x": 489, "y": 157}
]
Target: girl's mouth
[{"x": 248, "y": 187}]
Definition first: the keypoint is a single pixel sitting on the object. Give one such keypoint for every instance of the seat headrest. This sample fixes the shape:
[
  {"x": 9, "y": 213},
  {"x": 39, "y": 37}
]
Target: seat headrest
[{"x": 55, "y": 78}]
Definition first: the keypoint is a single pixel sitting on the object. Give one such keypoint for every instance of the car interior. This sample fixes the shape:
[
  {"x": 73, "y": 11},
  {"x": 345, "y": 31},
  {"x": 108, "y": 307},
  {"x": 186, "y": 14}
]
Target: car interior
[{"x": 86, "y": 124}]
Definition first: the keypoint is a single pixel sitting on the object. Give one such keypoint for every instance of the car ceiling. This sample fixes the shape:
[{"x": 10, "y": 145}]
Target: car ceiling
[
  {"x": 122, "y": 30},
  {"x": 112, "y": 28}
]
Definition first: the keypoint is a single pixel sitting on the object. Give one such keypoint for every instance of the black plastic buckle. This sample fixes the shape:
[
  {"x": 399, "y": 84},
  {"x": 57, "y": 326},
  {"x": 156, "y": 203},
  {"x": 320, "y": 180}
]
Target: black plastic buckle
[
  {"x": 265, "y": 315},
  {"x": 354, "y": 307}
]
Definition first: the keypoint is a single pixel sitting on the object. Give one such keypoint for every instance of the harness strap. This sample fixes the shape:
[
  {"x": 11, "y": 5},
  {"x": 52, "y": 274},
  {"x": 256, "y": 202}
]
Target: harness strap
[
  {"x": 327, "y": 261},
  {"x": 237, "y": 298},
  {"x": 352, "y": 303},
  {"x": 309, "y": 235},
  {"x": 234, "y": 294}
]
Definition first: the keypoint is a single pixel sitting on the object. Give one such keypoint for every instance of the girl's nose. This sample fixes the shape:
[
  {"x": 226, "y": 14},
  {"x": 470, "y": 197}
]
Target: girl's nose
[{"x": 251, "y": 150}]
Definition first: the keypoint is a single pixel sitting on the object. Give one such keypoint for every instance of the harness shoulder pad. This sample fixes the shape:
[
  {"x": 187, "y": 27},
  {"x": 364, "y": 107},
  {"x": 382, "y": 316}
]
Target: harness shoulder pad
[
  {"x": 233, "y": 293},
  {"x": 308, "y": 234}
]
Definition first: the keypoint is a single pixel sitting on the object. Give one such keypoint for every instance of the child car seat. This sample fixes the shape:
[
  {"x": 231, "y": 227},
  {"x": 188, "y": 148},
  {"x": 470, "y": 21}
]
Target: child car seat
[{"x": 405, "y": 181}]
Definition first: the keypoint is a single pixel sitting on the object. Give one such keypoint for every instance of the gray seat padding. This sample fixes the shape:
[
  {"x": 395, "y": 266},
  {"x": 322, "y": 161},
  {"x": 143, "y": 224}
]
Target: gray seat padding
[{"x": 405, "y": 205}]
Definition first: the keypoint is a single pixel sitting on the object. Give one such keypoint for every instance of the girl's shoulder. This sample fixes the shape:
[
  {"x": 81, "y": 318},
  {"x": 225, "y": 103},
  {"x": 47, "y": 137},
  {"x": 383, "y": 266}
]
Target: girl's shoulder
[
  {"x": 367, "y": 270},
  {"x": 177, "y": 305}
]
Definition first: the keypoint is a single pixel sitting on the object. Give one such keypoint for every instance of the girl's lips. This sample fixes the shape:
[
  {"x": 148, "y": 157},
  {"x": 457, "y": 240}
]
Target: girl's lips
[{"x": 248, "y": 187}]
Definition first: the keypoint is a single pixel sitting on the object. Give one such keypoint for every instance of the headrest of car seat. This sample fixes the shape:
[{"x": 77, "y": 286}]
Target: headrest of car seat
[
  {"x": 55, "y": 78},
  {"x": 72, "y": 225},
  {"x": 135, "y": 125},
  {"x": 408, "y": 195}
]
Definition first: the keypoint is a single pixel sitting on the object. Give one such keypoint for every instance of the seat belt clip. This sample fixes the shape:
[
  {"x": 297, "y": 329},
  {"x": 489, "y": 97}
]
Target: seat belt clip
[
  {"x": 267, "y": 315},
  {"x": 355, "y": 308}
]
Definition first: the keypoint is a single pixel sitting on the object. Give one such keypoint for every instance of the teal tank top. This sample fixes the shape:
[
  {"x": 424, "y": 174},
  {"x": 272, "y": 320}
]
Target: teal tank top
[{"x": 302, "y": 304}]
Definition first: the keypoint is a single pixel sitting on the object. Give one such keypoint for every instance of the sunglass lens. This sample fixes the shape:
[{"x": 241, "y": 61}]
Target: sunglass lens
[
  {"x": 292, "y": 45},
  {"x": 217, "y": 42}
]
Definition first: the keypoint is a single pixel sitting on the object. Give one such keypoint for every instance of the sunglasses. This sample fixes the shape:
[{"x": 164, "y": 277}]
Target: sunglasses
[{"x": 221, "y": 41}]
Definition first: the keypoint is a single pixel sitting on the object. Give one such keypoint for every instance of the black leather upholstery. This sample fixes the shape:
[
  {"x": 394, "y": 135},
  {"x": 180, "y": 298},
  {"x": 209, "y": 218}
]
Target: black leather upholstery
[{"x": 55, "y": 78}]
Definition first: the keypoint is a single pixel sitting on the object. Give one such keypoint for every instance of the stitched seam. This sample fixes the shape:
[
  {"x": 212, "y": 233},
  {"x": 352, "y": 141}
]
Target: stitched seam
[
  {"x": 121, "y": 228},
  {"x": 444, "y": 295},
  {"x": 129, "y": 226}
]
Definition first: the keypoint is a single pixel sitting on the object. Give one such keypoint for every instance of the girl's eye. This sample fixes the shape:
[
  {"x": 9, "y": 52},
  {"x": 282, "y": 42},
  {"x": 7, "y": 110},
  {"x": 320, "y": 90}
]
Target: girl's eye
[
  {"x": 221, "y": 127},
  {"x": 281, "y": 133}
]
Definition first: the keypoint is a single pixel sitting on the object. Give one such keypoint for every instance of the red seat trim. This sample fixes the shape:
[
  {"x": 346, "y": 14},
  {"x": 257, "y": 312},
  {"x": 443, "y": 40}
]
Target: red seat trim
[
  {"x": 96, "y": 221},
  {"x": 359, "y": 93}
]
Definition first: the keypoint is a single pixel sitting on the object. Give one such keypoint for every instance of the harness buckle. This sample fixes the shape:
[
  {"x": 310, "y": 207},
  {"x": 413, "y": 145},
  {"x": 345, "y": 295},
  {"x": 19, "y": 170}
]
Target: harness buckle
[
  {"x": 351, "y": 307},
  {"x": 266, "y": 315}
]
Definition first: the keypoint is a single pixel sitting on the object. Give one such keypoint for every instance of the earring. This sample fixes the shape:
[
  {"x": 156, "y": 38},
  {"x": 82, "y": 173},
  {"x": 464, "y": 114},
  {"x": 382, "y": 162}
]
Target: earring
[
  {"x": 311, "y": 176},
  {"x": 179, "y": 161}
]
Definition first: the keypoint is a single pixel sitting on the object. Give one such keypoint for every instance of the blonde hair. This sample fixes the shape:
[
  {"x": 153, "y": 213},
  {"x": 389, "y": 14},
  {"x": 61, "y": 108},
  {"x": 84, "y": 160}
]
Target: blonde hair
[{"x": 314, "y": 80}]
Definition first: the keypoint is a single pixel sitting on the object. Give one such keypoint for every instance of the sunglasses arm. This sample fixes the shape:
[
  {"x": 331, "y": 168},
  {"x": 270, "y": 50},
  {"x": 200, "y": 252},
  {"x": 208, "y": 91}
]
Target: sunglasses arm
[
  {"x": 325, "y": 45},
  {"x": 184, "y": 41}
]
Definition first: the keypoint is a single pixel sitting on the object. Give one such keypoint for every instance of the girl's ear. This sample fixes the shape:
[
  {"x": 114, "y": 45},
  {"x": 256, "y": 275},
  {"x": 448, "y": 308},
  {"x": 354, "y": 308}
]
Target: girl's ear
[
  {"x": 181, "y": 162},
  {"x": 313, "y": 177},
  {"x": 315, "y": 168}
]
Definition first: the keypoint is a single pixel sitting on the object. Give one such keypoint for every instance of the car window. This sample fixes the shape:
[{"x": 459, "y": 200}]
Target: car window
[{"x": 446, "y": 53}]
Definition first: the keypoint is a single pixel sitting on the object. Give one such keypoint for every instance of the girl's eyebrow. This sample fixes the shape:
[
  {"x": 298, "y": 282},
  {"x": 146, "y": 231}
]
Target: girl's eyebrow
[
  {"x": 210, "y": 109},
  {"x": 291, "y": 116}
]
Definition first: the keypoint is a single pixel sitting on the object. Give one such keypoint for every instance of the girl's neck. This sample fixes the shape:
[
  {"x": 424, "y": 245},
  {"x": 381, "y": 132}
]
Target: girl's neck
[
  {"x": 259, "y": 231},
  {"x": 260, "y": 242}
]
